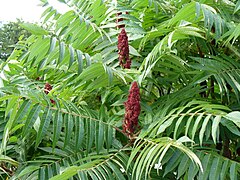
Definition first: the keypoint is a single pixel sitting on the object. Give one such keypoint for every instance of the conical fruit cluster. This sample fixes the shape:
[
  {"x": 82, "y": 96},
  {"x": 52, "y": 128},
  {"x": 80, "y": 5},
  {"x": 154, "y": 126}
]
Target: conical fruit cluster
[
  {"x": 132, "y": 110},
  {"x": 123, "y": 50}
]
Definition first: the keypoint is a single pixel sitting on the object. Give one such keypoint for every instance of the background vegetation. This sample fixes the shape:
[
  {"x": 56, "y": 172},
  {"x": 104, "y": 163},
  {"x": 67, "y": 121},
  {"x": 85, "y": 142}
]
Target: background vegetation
[
  {"x": 63, "y": 93},
  {"x": 10, "y": 34}
]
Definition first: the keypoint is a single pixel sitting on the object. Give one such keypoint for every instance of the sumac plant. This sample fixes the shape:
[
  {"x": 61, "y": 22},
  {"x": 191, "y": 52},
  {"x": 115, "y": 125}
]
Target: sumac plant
[
  {"x": 123, "y": 50},
  {"x": 132, "y": 110},
  {"x": 128, "y": 90}
]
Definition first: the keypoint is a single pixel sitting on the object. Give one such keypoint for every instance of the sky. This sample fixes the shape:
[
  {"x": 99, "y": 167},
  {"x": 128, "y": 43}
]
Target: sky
[{"x": 28, "y": 10}]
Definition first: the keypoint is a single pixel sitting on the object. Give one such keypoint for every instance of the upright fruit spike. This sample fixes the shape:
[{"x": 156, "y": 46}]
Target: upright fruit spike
[
  {"x": 123, "y": 50},
  {"x": 132, "y": 110}
]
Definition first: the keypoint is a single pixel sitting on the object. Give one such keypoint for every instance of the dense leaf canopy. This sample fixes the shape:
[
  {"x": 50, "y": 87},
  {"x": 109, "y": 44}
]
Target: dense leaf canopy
[
  {"x": 63, "y": 92},
  {"x": 10, "y": 34}
]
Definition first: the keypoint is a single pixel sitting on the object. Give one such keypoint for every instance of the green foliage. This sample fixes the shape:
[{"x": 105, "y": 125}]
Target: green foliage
[
  {"x": 10, "y": 34},
  {"x": 185, "y": 58}
]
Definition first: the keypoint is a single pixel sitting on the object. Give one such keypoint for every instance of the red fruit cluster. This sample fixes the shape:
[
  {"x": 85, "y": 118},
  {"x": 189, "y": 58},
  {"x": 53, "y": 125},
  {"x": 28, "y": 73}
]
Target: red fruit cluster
[
  {"x": 47, "y": 89},
  {"x": 119, "y": 20},
  {"x": 132, "y": 110},
  {"x": 123, "y": 50}
]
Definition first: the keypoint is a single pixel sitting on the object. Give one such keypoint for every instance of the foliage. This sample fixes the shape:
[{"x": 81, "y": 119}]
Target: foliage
[
  {"x": 10, "y": 34},
  {"x": 185, "y": 58}
]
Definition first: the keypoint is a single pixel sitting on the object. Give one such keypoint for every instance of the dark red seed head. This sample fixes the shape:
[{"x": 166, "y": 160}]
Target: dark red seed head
[
  {"x": 123, "y": 50},
  {"x": 118, "y": 21},
  {"x": 47, "y": 88},
  {"x": 132, "y": 110}
]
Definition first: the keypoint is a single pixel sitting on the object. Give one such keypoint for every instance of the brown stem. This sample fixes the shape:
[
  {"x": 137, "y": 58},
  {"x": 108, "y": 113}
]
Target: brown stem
[{"x": 9, "y": 171}]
